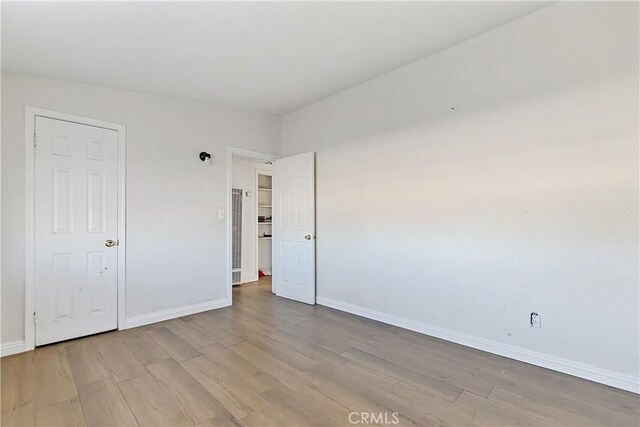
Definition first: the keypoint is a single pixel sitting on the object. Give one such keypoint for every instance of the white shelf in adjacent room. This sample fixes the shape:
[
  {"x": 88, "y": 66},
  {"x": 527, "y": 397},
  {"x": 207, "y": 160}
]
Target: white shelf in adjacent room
[{"x": 264, "y": 184}]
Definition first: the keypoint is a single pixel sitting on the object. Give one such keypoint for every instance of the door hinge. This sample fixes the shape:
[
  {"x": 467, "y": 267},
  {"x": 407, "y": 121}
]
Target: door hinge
[
  {"x": 34, "y": 317},
  {"x": 35, "y": 140}
]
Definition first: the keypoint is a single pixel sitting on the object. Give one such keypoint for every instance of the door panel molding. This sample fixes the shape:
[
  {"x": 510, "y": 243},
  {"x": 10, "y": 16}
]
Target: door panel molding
[{"x": 30, "y": 121}]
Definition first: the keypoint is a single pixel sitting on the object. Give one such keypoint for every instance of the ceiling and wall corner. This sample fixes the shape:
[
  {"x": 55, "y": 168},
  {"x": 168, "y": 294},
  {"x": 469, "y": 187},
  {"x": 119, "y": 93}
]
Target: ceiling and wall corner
[{"x": 268, "y": 56}]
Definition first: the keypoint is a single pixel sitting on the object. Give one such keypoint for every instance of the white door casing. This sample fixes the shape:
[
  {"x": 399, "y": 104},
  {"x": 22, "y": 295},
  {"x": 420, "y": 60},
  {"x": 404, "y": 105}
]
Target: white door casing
[
  {"x": 76, "y": 212},
  {"x": 294, "y": 267}
]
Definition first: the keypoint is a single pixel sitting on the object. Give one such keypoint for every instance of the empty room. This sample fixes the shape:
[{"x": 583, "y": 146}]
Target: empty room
[{"x": 412, "y": 213}]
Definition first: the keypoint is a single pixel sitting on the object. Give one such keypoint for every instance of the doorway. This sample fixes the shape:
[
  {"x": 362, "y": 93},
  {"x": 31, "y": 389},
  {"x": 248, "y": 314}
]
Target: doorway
[
  {"x": 249, "y": 249},
  {"x": 276, "y": 219},
  {"x": 251, "y": 220}
]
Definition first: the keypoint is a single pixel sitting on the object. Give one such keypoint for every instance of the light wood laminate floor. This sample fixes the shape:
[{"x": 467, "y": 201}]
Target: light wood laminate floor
[{"x": 268, "y": 361}]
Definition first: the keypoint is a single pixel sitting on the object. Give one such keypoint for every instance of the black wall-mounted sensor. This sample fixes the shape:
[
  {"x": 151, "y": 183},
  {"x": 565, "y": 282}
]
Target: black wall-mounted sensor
[{"x": 204, "y": 156}]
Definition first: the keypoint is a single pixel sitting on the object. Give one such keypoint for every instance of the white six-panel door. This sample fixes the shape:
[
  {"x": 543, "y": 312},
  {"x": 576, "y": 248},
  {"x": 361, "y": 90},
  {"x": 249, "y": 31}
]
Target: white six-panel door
[
  {"x": 294, "y": 249},
  {"x": 76, "y": 207}
]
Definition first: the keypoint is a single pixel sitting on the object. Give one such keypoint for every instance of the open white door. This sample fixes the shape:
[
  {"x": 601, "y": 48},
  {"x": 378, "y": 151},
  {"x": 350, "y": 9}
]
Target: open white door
[
  {"x": 294, "y": 248},
  {"x": 76, "y": 230}
]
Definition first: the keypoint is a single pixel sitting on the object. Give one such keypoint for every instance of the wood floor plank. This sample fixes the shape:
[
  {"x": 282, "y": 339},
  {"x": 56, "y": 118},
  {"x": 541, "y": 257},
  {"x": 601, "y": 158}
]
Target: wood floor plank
[
  {"x": 341, "y": 395},
  {"x": 220, "y": 319},
  {"x": 175, "y": 346},
  {"x": 238, "y": 317},
  {"x": 119, "y": 359},
  {"x": 456, "y": 375},
  {"x": 242, "y": 369},
  {"x": 417, "y": 399},
  {"x": 273, "y": 314},
  {"x": 338, "y": 413},
  {"x": 299, "y": 408},
  {"x": 19, "y": 415},
  {"x": 54, "y": 380},
  {"x": 234, "y": 394},
  {"x": 440, "y": 350},
  {"x": 348, "y": 337},
  {"x": 363, "y": 398},
  {"x": 17, "y": 374},
  {"x": 310, "y": 349},
  {"x": 553, "y": 416},
  {"x": 216, "y": 333},
  {"x": 258, "y": 311},
  {"x": 285, "y": 373},
  {"x": 480, "y": 421},
  {"x": 151, "y": 404},
  {"x": 500, "y": 414},
  {"x": 285, "y": 353},
  {"x": 286, "y": 310},
  {"x": 143, "y": 347},
  {"x": 104, "y": 405},
  {"x": 86, "y": 364},
  {"x": 413, "y": 378},
  {"x": 191, "y": 335},
  {"x": 268, "y": 417},
  {"x": 597, "y": 394},
  {"x": 223, "y": 420},
  {"x": 194, "y": 399},
  {"x": 67, "y": 413},
  {"x": 318, "y": 336},
  {"x": 371, "y": 331},
  {"x": 558, "y": 399}
]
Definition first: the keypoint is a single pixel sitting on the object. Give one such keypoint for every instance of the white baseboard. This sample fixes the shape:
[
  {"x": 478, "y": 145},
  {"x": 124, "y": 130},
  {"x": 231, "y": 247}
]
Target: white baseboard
[
  {"x": 614, "y": 379},
  {"x": 249, "y": 280},
  {"x": 13, "y": 347},
  {"x": 173, "y": 313}
]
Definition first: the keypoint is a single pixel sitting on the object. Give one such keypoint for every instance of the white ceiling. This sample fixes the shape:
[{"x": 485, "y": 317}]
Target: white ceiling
[{"x": 267, "y": 56}]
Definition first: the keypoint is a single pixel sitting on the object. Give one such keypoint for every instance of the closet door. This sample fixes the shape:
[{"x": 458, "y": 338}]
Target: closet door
[{"x": 76, "y": 230}]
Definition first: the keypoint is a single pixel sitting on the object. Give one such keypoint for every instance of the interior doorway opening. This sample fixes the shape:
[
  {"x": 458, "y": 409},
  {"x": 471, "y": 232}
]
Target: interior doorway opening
[
  {"x": 271, "y": 226},
  {"x": 251, "y": 219}
]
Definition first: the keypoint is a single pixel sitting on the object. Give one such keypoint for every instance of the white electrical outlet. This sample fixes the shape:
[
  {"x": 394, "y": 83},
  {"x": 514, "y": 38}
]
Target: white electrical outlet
[{"x": 534, "y": 320}]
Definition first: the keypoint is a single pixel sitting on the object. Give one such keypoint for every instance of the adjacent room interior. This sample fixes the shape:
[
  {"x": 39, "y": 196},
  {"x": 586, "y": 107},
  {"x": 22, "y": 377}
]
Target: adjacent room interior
[
  {"x": 320, "y": 213},
  {"x": 252, "y": 223}
]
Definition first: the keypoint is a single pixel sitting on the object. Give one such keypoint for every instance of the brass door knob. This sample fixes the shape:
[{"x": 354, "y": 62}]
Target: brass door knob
[
  {"x": 109, "y": 243},
  {"x": 307, "y": 237}
]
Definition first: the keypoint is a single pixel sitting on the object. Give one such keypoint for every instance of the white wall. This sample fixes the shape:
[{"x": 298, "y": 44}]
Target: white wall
[
  {"x": 460, "y": 222},
  {"x": 244, "y": 177},
  {"x": 176, "y": 249}
]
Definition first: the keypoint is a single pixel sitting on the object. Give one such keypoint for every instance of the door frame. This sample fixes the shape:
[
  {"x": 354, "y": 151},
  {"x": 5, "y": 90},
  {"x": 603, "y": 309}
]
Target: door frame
[
  {"x": 30, "y": 204},
  {"x": 255, "y": 155}
]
